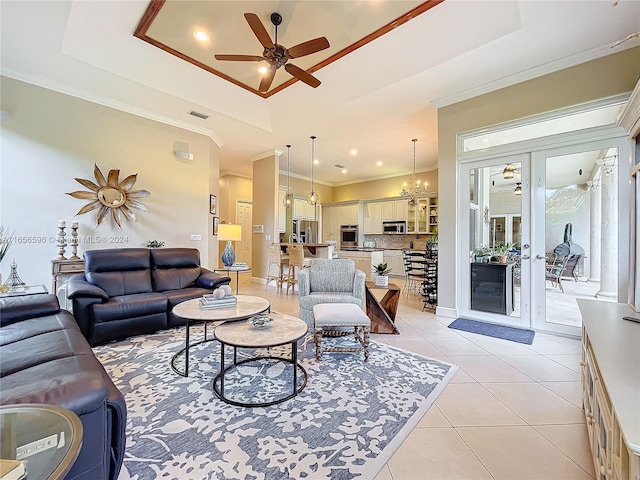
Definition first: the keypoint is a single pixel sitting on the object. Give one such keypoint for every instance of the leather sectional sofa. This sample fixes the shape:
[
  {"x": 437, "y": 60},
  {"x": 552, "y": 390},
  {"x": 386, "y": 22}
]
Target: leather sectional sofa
[
  {"x": 131, "y": 291},
  {"x": 46, "y": 359}
]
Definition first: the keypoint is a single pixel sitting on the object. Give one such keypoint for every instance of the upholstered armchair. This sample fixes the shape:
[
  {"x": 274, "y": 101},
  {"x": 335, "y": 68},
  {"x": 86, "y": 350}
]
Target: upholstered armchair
[{"x": 329, "y": 281}]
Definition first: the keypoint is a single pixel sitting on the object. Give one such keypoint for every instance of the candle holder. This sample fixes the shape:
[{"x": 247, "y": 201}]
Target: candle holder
[
  {"x": 62, "y": 241},
  {"x": 74, "y": 241}
]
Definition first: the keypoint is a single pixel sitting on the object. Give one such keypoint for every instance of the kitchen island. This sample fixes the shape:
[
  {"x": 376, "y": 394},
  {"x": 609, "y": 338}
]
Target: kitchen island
[{"x": 314, "y": 250}]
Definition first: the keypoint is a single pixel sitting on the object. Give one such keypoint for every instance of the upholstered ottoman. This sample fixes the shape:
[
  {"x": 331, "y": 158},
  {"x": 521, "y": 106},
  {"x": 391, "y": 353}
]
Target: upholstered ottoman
[{"x": 332, "y": 317}]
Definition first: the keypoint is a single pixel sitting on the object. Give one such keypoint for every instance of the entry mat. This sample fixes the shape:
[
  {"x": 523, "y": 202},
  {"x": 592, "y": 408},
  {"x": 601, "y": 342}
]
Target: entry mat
[{"x": 520, "y": 335}]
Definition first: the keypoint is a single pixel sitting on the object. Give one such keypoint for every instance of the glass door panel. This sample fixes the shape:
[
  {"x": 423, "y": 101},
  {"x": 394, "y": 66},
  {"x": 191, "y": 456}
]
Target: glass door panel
[
  {"x": 494, "y": 275},
  {"x": 576, "y": 224}
]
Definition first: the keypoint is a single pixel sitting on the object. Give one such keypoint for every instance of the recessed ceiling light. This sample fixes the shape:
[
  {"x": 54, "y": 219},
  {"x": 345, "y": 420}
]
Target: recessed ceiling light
[
  {"x": 354, "y": 151},
  {"x": 316, "y": 161},
  {"x": 200, "y": 35},
  {"x": 379, "y": 163},
  {"x": 262, "y": 70},
  {"x": 344, "y": 170}
]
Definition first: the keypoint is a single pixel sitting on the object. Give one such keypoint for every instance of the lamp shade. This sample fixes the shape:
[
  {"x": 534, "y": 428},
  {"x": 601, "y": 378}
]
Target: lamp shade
[{"x": 227, "y": 231}]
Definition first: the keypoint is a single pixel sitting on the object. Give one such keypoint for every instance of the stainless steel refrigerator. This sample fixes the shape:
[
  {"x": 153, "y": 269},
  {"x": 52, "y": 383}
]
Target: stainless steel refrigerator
[{"x": 306, "y": 231}]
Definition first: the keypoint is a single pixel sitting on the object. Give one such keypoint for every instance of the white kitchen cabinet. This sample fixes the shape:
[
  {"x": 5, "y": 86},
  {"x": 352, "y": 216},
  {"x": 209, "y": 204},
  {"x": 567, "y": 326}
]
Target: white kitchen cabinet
[
  {"x": 372, "y": 224},
  {"x": 394, "y": 210},
  {"x": 365, "y": 260},
  {"x": 330, "y": 227},
  {"x": 302, "y": 210},
  {"x": 394, "y": 261},
  {"x": 423, "y": 217}
]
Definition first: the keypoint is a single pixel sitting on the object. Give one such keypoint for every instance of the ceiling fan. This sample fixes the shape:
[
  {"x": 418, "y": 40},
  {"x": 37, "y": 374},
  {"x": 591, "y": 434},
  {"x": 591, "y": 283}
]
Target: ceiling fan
[{"x": 276, "y": 55}]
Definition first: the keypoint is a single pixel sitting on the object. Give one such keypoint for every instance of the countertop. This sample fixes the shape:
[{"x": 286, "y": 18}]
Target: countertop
[{"x": 616, "y": 344}]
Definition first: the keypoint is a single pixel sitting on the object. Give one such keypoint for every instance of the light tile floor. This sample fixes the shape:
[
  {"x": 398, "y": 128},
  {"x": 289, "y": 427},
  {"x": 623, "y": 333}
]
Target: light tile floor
[{"x": 511, "y": 412}]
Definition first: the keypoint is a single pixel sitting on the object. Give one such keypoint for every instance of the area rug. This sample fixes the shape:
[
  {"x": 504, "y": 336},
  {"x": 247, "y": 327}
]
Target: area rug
[
  {"x": 345, "y": 424},
  {"x": 520, "y": 335}
]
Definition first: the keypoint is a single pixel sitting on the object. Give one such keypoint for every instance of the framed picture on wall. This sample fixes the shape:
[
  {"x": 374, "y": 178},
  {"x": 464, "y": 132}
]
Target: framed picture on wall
[
  {"x": 216, "y": 222},
  {"x": 213, "y": 202}
]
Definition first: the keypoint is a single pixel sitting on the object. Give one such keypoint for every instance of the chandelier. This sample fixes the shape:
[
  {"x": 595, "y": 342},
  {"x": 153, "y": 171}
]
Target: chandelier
[{"x": 415, "y": 188}]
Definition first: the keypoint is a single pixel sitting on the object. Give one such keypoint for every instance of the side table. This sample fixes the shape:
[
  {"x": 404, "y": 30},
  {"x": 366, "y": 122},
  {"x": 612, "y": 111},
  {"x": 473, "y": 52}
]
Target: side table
[
  {"x": 382, "y": 312},
  {"x": 60, "y": 271},
  {"x": 238, "y": 271},
  {"x": 46, "y": 437}
]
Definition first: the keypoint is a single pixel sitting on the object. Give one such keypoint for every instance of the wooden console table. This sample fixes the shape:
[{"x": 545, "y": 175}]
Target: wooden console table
[{"x": 382, "y": 312}]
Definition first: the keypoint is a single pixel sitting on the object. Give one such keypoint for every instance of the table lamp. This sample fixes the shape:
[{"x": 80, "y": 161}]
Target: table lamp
[{"x": 230, "y": 233}]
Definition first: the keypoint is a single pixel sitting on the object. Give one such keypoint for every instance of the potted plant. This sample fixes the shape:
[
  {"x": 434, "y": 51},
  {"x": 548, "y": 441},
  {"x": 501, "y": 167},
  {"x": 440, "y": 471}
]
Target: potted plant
[
  {"x": 482, "y": 254},
  {"x": 381, "y": 272},
  {"x": 155, "y": 244},
  {"x": 501, "y": 250}
]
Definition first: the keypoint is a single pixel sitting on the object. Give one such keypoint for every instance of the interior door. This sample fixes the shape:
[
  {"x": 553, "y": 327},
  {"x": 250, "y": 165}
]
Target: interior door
[
  {"x": 497, "y": 216},
  {"x": 244, "y": 217}
]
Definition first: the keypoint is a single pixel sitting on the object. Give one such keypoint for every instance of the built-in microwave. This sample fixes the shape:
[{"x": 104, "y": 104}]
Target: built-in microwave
[
  {"x": 348, "y": 236},
  {"x": 396, "y": 228}
]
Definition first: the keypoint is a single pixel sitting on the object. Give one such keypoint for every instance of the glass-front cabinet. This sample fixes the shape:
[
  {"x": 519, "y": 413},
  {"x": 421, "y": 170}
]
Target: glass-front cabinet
[{"x": 423, "y": 217}]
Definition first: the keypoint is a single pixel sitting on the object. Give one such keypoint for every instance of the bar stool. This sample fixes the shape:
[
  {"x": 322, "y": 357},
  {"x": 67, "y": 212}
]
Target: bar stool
[
  {"x": 296, "y": 261},
  {"x": 278, "y": 260}
]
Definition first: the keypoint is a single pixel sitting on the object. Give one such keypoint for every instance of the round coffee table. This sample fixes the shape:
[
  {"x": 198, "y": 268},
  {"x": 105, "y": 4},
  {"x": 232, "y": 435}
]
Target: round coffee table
[
  {"x": 46, "y": 437},
  {"x": 284, "y": 330},
  {"x": 190, "y": 310}
]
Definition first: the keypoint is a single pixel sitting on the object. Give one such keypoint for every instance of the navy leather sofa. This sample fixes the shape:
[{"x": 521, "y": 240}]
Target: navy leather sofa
[
  {"x": 46, "y": 359},
  {"x": 131, "y": 291}
]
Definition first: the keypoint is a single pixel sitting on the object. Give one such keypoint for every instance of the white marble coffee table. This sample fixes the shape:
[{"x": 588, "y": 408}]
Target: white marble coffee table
[
  {"x": 284, "y": 329},
  {"x": 190, "y": 310}
]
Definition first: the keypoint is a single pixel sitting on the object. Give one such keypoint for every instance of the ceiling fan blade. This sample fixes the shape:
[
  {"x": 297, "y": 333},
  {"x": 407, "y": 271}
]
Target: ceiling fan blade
[
  {"x": 307, "y": 48},
  {"x": 265, "y": 83},
  {"x": 258, "y": 30},
  {"x": 300, "y": 74},
  {"x": 239, "y": 58}
]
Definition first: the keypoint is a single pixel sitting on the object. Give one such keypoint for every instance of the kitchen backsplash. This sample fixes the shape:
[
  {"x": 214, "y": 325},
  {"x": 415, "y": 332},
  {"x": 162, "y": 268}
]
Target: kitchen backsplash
[{"x": 399, "y": 241}]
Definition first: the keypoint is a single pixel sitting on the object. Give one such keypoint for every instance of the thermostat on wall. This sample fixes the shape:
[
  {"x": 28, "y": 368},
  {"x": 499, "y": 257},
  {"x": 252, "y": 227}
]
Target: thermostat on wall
[{"x": 258, "y": 229}]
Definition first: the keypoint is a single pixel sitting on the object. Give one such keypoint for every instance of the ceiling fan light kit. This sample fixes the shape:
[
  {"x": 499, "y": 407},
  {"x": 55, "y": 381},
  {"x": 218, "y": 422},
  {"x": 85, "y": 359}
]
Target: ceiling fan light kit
[{"x": 277, "y": 55}]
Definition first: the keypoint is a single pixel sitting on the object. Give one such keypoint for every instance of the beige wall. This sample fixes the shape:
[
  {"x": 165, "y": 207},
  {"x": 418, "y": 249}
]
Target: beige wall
[
  {"x": 265, "y": 212},
  {"x": 232, "y": 189},
  {"x": 48, "y": 139},
  {"x": 593, "y": 80},
  {"x": 303, "y": 187},
  {"x": 384, "y": 188}
]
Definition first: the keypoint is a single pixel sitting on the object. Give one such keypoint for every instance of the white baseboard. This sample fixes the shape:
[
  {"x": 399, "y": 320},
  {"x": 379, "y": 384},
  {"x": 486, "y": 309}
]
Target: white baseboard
[{"x": 447, "y": 312}]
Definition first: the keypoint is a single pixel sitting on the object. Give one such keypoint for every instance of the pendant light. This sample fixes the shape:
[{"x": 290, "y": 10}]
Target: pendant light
[
  {"x": 416, "y": 190},
  {"x": 288, "y": 198},
  {"x": 312, "y": 197},
  {"x": 518, "y": 190},
  {"x": 508, "y": 172}
]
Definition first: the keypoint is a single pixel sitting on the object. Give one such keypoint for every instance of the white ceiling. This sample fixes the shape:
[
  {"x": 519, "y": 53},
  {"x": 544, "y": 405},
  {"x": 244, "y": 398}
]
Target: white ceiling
[{"x": 375, "y": 99}]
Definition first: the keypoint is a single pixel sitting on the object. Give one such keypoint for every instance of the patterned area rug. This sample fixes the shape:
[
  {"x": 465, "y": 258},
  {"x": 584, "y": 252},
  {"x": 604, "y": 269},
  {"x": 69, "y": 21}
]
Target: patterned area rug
[{"x": 345, "y": 424}]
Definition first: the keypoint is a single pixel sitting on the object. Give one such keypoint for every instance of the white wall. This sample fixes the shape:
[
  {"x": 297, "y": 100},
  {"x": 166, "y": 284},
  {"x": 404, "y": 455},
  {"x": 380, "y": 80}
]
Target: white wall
[{"x": 48, "y": 139}]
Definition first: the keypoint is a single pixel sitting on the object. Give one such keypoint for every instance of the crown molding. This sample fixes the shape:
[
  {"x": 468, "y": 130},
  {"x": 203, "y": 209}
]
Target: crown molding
[
  {"x": 530, "y": 74},
  {"x": 630, "y": 117},
  {"x": 233, "y": 173},
  {"x": 42, "y": 82},
  {"x": 269, "y": 153}
]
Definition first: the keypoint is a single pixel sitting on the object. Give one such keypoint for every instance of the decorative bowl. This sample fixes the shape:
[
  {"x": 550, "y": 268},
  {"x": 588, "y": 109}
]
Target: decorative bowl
[{"x": 260, "y": 321}]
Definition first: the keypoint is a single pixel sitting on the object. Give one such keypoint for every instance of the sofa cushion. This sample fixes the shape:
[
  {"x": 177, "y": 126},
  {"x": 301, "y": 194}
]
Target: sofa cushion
[
  {"x": 174, "y": 297},
  {"x": 129, "y": 306},
  {"x": 332, "y": 275},
  {"x": 36, "y": 326},
  {"x": 174, "y": 268},
  {"x": 119, "y": 271}
]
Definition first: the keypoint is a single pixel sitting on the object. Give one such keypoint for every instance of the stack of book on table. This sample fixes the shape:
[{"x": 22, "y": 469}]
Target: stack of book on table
[{"x": 210, "y": 301}]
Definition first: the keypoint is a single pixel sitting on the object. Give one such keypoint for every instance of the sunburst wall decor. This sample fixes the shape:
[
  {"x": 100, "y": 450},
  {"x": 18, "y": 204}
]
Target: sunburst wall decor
[{"x": 110, "y": 195}]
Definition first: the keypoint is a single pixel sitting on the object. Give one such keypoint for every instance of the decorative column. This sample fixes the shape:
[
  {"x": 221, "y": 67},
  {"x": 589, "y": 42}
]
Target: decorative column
[
  {"x": 609, "y": 229},
  {"x": 595, "y": 203}
]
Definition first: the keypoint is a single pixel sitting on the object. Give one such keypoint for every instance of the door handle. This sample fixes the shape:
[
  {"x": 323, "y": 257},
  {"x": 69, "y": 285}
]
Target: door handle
[
  {"x": 540, "y": 257},
  {"x": 525, "y": 257}
]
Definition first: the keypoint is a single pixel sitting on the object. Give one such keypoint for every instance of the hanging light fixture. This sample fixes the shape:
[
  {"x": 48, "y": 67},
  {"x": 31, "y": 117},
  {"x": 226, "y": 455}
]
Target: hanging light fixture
[
  {"x": 288, "y": 198},
  {"x": 312, "y": 197},
  {"x": 508, "y": 172},
  {"x": 416, "y": 189},
  {"x": 518, "y": 191}
]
